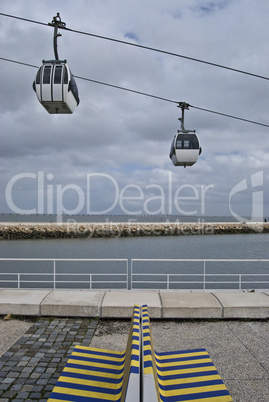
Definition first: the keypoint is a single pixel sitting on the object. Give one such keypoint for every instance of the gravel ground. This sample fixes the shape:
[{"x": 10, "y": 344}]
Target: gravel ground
[
  {"x": 239, "y": 350},
  {"x": 10, "y": 331}
]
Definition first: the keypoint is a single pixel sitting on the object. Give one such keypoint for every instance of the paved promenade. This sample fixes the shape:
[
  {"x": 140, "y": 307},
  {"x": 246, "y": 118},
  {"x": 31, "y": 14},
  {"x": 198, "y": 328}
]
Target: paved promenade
[
  {"x": 59, "y": 320},
  {"x": 119, "y": 304},
  {"x": 239, "y": 350}
]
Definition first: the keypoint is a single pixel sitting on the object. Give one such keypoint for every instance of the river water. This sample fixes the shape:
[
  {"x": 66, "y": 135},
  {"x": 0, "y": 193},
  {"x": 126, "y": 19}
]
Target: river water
[{"x": 246, "y": 246}]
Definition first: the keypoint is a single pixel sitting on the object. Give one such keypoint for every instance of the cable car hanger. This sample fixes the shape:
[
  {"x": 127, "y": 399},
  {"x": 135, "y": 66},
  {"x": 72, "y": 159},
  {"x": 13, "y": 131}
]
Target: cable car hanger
[
  {"x": 56, "y": 23},
  {"x": 183, "y": 106},
  {"x": 185, "y": 148},
  {"x": 54, "y": 85}
]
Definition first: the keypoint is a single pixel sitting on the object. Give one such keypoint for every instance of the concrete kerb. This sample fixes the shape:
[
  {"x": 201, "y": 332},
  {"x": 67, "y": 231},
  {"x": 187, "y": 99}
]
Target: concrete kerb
[
  {"x": 190, "y": 305},
  {"x": 74, "y": 303},
  {"x": 119, "y": 304},
  {"x": 22, "y": 302},
  {"x": 244, "y": 305}
]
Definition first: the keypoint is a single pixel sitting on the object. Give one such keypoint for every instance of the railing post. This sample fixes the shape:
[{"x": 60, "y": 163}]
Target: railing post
[
  {"x": 54, "y": 274},
  {"x": 130, "y": 286},
  {"x": 204, "y": 278},
  {"x": 19, "y": 281},
  {"x": 127, "y": 273},
  {"x": 90, "y": 281},
  {"x": 167, "y": 281},
  {"x": 240, "y": 282}
]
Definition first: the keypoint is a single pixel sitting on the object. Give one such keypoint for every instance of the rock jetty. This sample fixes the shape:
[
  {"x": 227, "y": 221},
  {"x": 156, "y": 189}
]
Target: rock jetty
[{"x": 15, "y": 231}]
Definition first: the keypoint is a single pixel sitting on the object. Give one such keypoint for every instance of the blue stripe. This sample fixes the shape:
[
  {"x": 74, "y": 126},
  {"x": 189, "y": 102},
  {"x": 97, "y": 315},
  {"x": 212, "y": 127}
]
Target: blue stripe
[
  {"x": 91, "y": 377},
  {"x": 181, "y": 359},
  {"x": 148, "y": 364},
  {"x": 99, "y": 369},
  {"x": 135, "y": 357},
  {"x": 89, "y": 388},
  {"x": 180, "y": 398},
  {"x": 181, "y": 352},
  {"x": 98, "y": 353},
  {"x": 75, "y": 398},
  {"x": 93, "y": 360},
  {"x": 183, "y": 366},
  {"x": 187, "y": 375},
  {"x": 134, "y": 370},
  {"x": 190, "y": 385}
]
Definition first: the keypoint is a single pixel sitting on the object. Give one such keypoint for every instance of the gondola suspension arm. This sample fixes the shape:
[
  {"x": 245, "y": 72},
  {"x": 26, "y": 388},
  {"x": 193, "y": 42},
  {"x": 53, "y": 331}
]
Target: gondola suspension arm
[
  {"x": 183, "y": 106},
  {"x": 56, "y": 23}
]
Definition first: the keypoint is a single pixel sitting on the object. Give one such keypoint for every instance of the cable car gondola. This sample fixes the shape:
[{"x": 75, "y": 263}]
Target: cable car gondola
[
  {"x": 185, "y": 147},
  {"x": 56, "y": 88},
  {"x": 54, "y": 85}
]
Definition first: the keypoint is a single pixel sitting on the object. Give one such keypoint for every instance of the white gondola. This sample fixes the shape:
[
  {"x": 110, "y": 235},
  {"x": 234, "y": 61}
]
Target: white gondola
[
  {"x": 56, "y": 88},
  {"x": 185, "y": 148}
]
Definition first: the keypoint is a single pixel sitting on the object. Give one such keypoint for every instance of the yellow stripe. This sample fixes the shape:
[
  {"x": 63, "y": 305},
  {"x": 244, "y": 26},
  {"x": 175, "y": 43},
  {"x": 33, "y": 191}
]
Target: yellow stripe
[
  {"x": 90, "y": 383},
  {"x": 135, "y": 342},
  {"x": 92, "y": 372},
  {"x": 94, "y": 364},
  {"x": 98, "y": 350},
  {"x": 88, "y": 394},
  {"x": 57, "y": 400},
  {"x": 185, "y": 371},
  {"x": 189, "y": 380},
  {"x": 148, "y": 370},
  {"x": 183, "y": 363},
  {"x": 91, "y": 356},
  {"x": 195, "y": 390},
  {"x": 175, "y": 356},
  {"x": 224, "y": 398}
]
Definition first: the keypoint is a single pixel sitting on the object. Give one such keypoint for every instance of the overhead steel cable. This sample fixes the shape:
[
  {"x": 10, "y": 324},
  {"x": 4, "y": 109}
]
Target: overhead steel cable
[
  {"x": 145, "y": 47},
  {"x": 126, "y": 89},
  {"x": 230, "y": 116},
  {"x": 145, "y": 94},
  {"x": 18, "y": 62}
]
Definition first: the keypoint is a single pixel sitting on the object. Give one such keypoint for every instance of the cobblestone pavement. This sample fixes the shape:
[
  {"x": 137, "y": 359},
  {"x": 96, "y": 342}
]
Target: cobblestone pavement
[{"x": 32, "y": 366}]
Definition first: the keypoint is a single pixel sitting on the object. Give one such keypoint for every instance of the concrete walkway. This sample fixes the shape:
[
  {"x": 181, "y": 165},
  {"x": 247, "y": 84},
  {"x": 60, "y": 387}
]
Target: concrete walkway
[
  {"x": 119, "y": 304},
  {"x": 239, "y": 350}
]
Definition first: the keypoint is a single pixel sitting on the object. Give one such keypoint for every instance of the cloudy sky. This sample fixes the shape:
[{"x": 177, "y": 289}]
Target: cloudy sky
[{"x": 111, "y": 154}]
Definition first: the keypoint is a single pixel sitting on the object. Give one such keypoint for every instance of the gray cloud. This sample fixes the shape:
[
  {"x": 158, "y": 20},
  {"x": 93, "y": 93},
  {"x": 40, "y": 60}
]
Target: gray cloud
[{"x": 126, "y": 136}]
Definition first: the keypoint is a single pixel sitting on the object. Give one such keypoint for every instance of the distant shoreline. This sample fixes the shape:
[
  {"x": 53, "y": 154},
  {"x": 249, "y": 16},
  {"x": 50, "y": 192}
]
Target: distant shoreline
[{"x": 46, "y": 230}]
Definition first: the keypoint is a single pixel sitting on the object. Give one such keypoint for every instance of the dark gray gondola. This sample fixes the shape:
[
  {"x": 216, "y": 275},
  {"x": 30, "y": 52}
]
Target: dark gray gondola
[
  {"x": 185, "y": 148},
  {"x": 56, "y": 88}
]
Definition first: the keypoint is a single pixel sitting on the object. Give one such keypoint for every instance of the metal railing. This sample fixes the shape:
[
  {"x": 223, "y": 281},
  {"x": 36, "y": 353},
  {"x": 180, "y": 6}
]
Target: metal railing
[
  {"x": 56, "y": 277},
  {"x": 168, "y": 274},
  {"x": 203, "y": 279}
]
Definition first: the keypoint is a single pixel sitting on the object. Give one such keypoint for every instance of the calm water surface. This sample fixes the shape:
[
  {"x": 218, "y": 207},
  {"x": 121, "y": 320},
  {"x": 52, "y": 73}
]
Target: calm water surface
[
  {"x": 194, "y": 246},
  {"x": 236, "y": 246}
]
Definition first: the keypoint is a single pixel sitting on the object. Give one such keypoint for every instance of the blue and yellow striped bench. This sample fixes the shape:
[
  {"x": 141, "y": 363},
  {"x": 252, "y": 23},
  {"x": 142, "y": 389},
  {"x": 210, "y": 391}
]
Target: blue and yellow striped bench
[
  {"x": 187, "y": 375},
  {"x": 93, "y": 374}
]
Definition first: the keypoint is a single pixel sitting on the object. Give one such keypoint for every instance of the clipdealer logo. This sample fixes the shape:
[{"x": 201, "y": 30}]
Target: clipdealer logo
[
  {"x": 256, "y": 188},
  {"x": 132, "y": 199}
]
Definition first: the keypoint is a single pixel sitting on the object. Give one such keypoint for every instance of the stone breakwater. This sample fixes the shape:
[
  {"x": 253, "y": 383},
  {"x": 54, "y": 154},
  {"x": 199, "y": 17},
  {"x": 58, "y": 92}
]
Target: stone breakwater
[{"x": 16, "y": 231}]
